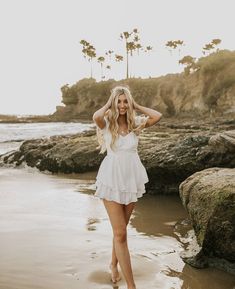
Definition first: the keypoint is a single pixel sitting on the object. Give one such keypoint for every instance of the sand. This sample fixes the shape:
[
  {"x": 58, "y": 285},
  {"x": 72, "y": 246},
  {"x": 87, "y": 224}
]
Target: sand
[{"x": 55, "y": 234}]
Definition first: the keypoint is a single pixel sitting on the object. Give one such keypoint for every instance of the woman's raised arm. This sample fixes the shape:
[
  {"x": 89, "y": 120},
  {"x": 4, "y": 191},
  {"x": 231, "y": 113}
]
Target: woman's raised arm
[
  {"x": 98, "y": 116},
  {"x": 154, "y": 115}
]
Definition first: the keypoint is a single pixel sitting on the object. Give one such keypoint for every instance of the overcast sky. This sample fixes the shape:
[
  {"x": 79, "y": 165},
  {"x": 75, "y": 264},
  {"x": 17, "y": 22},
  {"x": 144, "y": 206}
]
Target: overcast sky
[{"x": 40, "y": 49}]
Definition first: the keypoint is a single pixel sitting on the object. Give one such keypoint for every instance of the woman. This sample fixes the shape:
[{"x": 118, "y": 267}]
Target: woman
[{"x": 121, "y": 176}]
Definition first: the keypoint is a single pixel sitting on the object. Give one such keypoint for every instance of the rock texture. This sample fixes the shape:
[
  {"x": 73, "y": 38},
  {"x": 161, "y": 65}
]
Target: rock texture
[
  {"x": 223, "y": 142},
  {"x": 209, "y": 198},
  {"x": 67, "y": 154},
  {"x": 171, "y": 151}
]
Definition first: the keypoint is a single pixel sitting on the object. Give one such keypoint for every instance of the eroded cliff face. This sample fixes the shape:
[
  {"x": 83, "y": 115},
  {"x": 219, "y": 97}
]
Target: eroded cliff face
[{"x": 209, "y": 90}]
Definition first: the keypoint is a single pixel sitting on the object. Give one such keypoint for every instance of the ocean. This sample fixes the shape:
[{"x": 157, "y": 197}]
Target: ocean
[{"x": 12, "y": 135}]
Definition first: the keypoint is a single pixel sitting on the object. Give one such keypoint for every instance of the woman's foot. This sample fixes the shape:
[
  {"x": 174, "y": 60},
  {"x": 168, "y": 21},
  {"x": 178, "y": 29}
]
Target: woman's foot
[{"x": 115, "y": 277}]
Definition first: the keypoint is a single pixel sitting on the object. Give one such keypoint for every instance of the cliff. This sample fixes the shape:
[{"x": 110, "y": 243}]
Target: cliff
[{"x": 208, "y": 90}]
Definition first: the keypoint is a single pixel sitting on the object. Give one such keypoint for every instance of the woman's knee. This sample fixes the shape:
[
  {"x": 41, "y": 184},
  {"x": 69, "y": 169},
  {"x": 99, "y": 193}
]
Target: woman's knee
[{"x": 120, "y": 235}]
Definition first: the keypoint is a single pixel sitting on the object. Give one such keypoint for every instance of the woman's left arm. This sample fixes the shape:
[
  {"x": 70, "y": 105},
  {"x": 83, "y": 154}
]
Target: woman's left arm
[{"x": 154, "y": 115}]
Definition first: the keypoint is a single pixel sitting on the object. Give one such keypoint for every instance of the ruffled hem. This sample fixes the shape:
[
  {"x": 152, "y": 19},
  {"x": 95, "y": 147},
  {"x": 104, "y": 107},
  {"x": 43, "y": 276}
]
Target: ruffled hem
[{"x": 122, "y": 197}]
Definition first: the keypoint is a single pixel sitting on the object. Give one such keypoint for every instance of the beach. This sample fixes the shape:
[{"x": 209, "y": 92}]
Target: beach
[
  {"x": 126, "y": 108},
  {"x": 55, "y": 234}
]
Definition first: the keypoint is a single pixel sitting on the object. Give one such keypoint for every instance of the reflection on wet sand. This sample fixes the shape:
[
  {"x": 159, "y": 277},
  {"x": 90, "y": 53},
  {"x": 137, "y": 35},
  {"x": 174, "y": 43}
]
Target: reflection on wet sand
[
  {"x": 55, "y": 234},
  {"x": 156, "y": 215}
]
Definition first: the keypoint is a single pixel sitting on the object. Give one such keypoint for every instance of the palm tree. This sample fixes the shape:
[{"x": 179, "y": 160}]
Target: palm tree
[
  {"x": 135, "y": 45},
  {"x": 101, "y": 59},
  {"x": 109, "y": 54},
  {"x": 118, "y": 58},
  {"x": 148, "y": 48},
  {"x": 173, "y": 44},
  {"x": 131, "y": 44},
  {"x": 207, "y": 47},
  {"x": 211, "y": 45},
  {"x": 108, "y": 67},
  {"x": 88, "y": 51},
  {"x": 138, "y": 46},
  {"x": 216, "y": 41},
  {"x": 125, "y": 36}
]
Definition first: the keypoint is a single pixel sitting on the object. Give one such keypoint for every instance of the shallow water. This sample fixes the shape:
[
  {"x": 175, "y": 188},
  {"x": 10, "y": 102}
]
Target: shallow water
[
  {"x": 12, "y": 135},
  {"x": 55, "y": 234}
]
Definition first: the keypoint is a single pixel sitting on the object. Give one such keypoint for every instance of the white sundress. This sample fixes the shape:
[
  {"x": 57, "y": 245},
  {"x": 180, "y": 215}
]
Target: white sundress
[{"x": 121, "y": 176}]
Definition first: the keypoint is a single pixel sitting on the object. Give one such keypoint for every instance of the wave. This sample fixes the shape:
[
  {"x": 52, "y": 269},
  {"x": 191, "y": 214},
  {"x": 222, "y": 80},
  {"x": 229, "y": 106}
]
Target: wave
[{"x": 12, "y": 140}]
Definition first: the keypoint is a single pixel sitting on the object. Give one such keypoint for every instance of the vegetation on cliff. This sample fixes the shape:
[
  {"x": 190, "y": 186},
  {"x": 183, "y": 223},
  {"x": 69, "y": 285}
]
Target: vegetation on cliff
[{"x": 208, "y": 89}]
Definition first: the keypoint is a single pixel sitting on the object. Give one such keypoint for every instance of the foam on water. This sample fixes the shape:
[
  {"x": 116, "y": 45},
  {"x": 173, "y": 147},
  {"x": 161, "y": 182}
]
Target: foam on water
[{"x": 12, "y": 135}]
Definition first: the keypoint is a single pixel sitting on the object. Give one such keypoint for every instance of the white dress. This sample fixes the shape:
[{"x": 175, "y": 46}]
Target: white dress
[{"x": 121, "y": 175}]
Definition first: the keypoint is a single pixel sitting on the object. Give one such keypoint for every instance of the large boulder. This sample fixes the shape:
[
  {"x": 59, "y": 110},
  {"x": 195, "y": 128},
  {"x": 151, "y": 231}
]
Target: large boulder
[
  {"x": 67, "y": 153},
  {"x": 170, "y": 160},
  {"x": 209, "y": 198}
]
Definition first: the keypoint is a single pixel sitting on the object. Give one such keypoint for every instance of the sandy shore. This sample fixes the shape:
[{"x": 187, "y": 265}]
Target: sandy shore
[{"x": 55, "y": 234}]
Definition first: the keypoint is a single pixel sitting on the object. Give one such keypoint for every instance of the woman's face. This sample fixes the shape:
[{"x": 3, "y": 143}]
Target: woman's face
[{"x": 122, "y": 104}]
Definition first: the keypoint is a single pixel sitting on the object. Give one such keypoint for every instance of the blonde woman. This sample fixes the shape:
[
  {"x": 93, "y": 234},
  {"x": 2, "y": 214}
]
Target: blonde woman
[{"x": 121, "y": 177}]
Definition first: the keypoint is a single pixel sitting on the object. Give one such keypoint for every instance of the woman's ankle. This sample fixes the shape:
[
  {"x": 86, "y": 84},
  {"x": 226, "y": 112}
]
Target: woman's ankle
[{"x": 131, "y": 286}]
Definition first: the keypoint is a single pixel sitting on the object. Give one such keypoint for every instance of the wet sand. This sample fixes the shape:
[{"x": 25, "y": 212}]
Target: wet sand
[{"x": 55, "y": 234}]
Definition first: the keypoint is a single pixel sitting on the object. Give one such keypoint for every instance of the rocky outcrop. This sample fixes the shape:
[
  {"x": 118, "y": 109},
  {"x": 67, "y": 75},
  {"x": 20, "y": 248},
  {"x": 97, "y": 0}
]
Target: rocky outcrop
[
  {"x": 209, "y": 198},
  {"x": 170, "y": 152},
  {"x": 172, "y": 161},
  {"x": 223, "y": 142},
  {"x": 208, "y": 90},
  {"x": 67, "y": 154}
]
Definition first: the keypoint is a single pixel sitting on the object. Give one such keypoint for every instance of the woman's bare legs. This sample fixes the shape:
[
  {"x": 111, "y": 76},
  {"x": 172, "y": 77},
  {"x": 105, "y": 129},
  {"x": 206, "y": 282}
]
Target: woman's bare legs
[
  {"x": 114, "y": 263},
  {"x": 117, "y": 216},
  {"x": 128, "y": 209}
]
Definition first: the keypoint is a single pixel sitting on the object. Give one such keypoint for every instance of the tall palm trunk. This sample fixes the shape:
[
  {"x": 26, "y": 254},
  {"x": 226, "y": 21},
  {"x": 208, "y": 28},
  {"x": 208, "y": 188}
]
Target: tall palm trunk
[{"x": 127, "y": 62}]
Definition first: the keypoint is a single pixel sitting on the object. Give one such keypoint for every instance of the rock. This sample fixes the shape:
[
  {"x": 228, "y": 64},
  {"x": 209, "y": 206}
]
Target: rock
[
  {"x": 223, "y": 142},
  {"x": 209, "y": 198},
  {"x": 170, "y": 156},
  {"x": 172, "y": 159},
  {"x": 67, "y": 154}
]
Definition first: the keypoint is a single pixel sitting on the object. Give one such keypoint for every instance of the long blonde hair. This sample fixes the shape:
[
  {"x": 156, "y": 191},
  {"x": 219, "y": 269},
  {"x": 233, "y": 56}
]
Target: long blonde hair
[{"x": 112, "y": 115}]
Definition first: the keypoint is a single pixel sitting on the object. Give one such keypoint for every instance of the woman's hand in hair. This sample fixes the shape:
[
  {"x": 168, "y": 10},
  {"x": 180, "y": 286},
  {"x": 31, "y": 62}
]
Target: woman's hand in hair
[{"x": 135, "y": 105}]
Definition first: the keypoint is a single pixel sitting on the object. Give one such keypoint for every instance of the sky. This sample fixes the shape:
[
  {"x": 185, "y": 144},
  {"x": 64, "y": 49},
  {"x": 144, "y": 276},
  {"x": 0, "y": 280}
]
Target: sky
[{"x": 40, "y": 47}]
